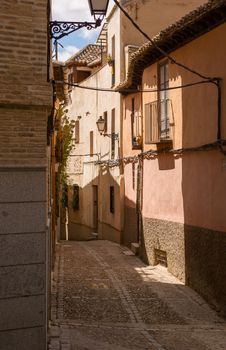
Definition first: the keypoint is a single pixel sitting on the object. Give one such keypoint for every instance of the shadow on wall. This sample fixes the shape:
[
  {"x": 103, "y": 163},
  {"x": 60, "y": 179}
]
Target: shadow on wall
[
  {"x": 130, "y": 233},
  {"x": 198, "y": 246},
  {"x": 204, "y": 197},
  {"x": 98, "y": 209}
]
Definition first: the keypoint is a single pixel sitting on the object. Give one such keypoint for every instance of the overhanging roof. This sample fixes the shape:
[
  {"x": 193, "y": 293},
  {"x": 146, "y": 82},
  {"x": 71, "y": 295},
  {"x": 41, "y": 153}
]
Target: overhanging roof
[{"x": 191, "y": 26}]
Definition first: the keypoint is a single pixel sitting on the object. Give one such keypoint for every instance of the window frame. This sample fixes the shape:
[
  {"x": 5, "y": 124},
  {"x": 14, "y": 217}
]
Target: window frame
[
  {"x": 75, "y": 197},
  {"x": 113, "y": 61},
  {"x": 91, "y": 143},
  {"x": 112, "y": 199},
  {"x": 134, "y": 120},
  {"x": 105, "y": 114},
  {"x": 153, "y": 113},
  {"x": 165, "y": 63},
  {"x": 77, "y": 132}
]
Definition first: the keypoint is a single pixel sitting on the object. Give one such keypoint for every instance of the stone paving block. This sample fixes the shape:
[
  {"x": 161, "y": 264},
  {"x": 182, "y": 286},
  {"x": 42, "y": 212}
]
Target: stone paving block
[
  {"x": 95, "y": 309},
  {"x": 115, "y": 302}
]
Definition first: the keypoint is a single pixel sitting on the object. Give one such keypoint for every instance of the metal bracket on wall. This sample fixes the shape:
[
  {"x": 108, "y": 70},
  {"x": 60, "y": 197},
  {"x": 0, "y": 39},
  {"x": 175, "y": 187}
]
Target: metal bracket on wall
[
  {"x": 59, "y": 29},
  {"x": 113, "y": 136}
]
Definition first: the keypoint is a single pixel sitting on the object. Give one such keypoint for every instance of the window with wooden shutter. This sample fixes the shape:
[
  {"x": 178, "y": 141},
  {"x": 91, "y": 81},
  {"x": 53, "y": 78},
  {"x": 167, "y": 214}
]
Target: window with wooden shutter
[
  {"x": 113, "y": 132},
  {"x": 113, "y": 60},
  {"x": 77, "y": 131},
  {"x": 148, "y": 138},
  {"x": 164, "y": 126},
  {"x": 75, "y": 198},
  {"x": 106, "y": 122},
  {"x": 135, "y": 126},
  {"x": 91, "y": 143},
  {"x": 158, "y": 114}
]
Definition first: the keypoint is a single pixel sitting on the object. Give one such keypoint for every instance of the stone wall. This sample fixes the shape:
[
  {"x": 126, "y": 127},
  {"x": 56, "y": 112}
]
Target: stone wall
[
  {"x": 23, "y": 263},
  {"x": 205, "y": 261},
  {"x": 25, "y": 103},
  {"x": 167, "y": 236},
  {"x": 194, "y": 255}
]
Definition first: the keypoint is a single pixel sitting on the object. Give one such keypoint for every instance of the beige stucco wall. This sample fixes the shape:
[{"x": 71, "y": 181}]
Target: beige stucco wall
[{"x": 96, "y": 103}]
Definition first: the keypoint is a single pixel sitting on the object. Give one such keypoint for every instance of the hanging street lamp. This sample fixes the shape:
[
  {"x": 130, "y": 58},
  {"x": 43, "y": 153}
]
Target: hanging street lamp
[{"x": 98, "y": 9}]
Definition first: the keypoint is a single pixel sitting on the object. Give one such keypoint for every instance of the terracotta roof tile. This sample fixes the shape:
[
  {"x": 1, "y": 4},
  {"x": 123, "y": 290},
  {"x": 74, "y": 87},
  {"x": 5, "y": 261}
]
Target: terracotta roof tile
[{"x": 86, "y": 55}]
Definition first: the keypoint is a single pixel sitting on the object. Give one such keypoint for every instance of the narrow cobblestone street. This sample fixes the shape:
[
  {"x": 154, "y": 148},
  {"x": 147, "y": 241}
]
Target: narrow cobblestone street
[{"x": 106, "y": 299}]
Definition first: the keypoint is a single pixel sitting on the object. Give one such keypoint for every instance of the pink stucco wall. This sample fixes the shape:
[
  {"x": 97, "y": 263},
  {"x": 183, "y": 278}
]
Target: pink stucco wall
[{"x": 190, "y": 188}]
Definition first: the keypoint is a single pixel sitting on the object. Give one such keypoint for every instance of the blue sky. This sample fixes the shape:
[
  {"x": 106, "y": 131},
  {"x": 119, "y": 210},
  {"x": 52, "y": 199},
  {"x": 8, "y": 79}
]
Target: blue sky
[{"x": 74, "y": 10}]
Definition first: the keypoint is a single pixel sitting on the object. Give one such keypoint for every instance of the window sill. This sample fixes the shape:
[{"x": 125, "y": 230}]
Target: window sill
[
  {"x": 157, "y": 142},
  {"x": 136, "y": 147}
]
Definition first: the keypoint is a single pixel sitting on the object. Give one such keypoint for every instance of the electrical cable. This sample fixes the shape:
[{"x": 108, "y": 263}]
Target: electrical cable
[
  {"x": 133, "y": 90},
  {"x": 151, "y": 154},
  {"x": 163, "y": 52}
]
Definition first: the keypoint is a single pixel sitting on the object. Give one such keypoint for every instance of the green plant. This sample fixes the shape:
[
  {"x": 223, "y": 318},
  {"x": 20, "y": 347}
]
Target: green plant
[
  {"x": 64, "y": 146},
  {"x": 110, "y": 60}
]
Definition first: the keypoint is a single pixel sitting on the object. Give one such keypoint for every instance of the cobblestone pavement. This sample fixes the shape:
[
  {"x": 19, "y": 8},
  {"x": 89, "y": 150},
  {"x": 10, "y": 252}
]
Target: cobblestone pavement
[{"x": 105, "y": 299}]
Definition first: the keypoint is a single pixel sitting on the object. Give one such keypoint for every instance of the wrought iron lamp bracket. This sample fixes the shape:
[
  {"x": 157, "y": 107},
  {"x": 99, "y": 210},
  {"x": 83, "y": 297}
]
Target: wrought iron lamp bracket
[
  {"x": 114, "y": 136},
  {"x": 59, "y": 29}
]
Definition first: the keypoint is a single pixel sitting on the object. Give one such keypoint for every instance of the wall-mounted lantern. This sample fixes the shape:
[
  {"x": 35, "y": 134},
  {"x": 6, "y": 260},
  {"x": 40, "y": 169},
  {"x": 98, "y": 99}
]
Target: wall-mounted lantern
[
  {"x": 98, "y": 7},
  {"x": 102, "y": 127}
]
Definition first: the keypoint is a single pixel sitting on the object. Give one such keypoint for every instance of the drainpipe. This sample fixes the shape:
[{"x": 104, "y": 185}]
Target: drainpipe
[
  {"x": 139, "y": 204},
  {"x": 217, "y": 83}
]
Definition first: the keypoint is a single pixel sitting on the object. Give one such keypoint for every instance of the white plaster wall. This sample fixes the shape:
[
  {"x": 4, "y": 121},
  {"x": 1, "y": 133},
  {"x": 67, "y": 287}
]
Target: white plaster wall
[
  {"x": 90, "y": 105},
  {"x": 114, "y": 30}
]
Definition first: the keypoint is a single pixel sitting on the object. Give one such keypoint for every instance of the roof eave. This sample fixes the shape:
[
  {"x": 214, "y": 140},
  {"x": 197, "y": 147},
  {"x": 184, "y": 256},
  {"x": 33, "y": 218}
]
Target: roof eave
[{"x": 171, "y": 39}]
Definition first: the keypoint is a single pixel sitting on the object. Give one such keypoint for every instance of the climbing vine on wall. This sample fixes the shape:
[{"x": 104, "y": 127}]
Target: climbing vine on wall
[{"x": 64, "y": 145}]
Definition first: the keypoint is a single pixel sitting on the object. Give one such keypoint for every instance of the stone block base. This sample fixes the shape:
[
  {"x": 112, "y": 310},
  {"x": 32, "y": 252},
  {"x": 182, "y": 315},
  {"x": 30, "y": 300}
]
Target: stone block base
[{"x": 196, "y": 256}]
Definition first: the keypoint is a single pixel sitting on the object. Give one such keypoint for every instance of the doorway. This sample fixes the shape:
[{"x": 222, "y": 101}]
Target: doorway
[{"x": 95, "y": 208}]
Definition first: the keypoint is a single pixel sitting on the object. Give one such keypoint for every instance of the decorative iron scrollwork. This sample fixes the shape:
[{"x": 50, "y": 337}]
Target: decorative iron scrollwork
[{"x": 60, "y": 29}]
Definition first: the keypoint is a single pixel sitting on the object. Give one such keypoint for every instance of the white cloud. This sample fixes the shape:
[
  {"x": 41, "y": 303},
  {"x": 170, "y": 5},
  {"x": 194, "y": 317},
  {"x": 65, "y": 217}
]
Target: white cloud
[
  {"x": 67, "y": 52},
  {"x": 89, "y": 34},
  {"x": 69, "y": 10},
  {"x": 74, "y": 10}
]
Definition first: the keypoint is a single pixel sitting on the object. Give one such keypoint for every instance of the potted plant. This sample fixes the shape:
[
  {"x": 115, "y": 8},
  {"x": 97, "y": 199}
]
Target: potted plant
[{"x": 110, "y": 60}]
